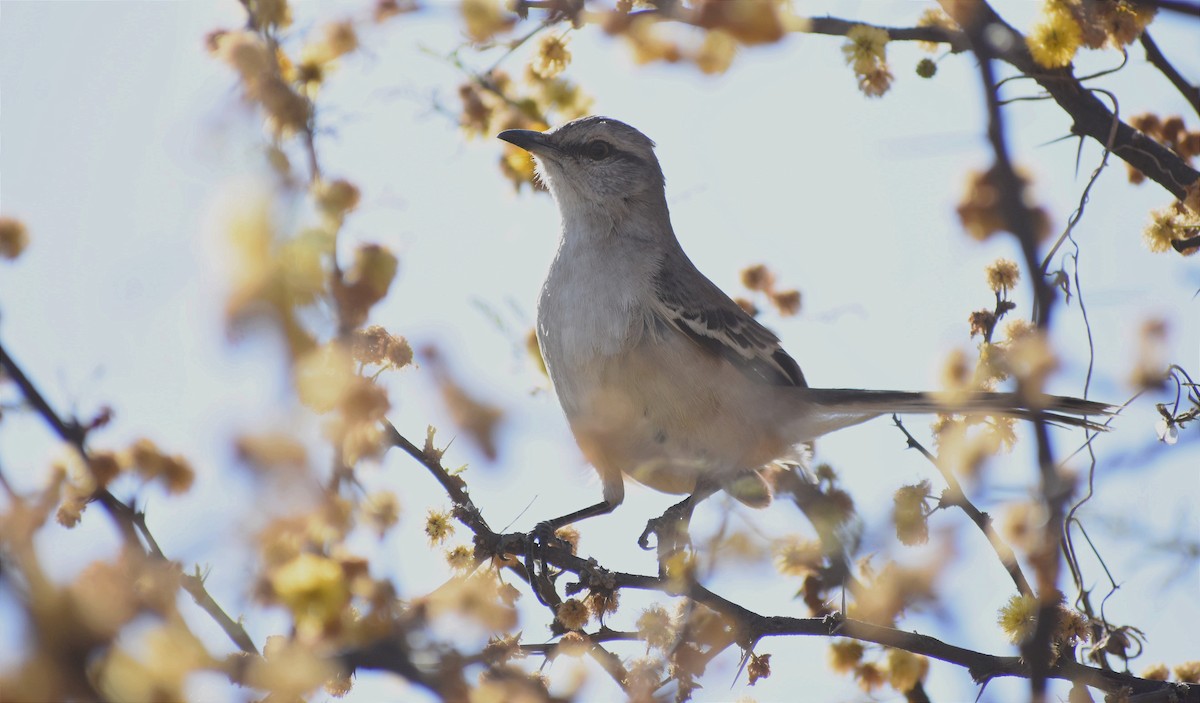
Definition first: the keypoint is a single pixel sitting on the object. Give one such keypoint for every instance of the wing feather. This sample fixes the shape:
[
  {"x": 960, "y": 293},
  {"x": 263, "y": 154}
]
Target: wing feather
[{"x": 695, "y": 306}]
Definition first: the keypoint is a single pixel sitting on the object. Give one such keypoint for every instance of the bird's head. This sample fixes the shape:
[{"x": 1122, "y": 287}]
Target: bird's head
[{"x": 593, "y": 161}]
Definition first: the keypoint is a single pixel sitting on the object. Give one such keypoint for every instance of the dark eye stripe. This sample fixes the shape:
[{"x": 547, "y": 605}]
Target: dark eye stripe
[{"x": 615, "y": 154}]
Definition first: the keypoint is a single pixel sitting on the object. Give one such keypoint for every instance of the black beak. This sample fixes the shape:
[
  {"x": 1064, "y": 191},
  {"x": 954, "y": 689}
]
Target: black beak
[{"x": 527, "y": 139}]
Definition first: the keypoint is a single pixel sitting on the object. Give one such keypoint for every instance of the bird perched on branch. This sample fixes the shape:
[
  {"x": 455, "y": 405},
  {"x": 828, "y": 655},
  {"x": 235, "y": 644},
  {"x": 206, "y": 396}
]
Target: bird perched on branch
[{"x": 664, "y": 378}]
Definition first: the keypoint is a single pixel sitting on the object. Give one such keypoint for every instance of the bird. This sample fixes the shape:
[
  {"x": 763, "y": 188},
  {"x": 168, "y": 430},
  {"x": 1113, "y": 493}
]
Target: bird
[{"x": 663, "y": 378}]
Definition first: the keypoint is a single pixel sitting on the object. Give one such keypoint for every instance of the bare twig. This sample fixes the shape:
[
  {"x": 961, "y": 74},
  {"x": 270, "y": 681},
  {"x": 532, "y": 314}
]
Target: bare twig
[
  {"x": 954, "y": 496},
  {"x": 1190, "y": 91}
]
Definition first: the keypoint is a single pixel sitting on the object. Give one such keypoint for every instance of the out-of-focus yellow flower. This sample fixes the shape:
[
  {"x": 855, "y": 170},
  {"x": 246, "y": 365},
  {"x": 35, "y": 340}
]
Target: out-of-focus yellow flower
[
  {"x": 1156, "y": 672},
  {"x": 246, "y": 53},
  {"x": 869, "y": 676},
  {"x": 380, "y": 510},
  {"x": 1122, "y": 20},
  {"x": 980, "y": 209},
  {"x": 1023, "y": 525},
  {"x": 271, "y": 13},
  {"x": 374, "y": 267},
  {"x": 844, "y": 655},
  {"x": 716, "y": 52},
  {"x": 749, "y": 21},
  {"x": 865, "y": 46},
  {"x": 323, "y": 376},
  {"x": 13, "y": 237},
  {"x": 271, "y": 450},
  {"x": 289, "y": 669},
  {"x": 649, "y": 43},
  {"x": 1056, "y": 37},
  {"x": 935, "y": 17},
  {"x": 552, "y": 56},
  {"x": 905, "y": 670},
  {"x": 480, "y": 597},
  {"x": 484, "y": 19},
  {"x": 313, "y": 588},
  {"x": 656, "y": 627},
  {"x": 909, "y": 514},
  {"x": 152, "y": 463},
  {"x": 336, "y": 197},
  {"x": 1031, "y": 360},
  {"x": 1188, "y": 672},
  {"x": 797, "y": 557}
]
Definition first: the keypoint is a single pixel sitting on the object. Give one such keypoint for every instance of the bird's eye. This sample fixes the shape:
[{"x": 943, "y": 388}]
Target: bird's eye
[{"x": 598, "y": 150}]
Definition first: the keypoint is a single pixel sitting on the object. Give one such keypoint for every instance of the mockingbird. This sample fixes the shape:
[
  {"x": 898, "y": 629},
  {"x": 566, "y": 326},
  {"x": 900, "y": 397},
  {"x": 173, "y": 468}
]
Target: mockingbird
[{"x": 662, "y": 376}]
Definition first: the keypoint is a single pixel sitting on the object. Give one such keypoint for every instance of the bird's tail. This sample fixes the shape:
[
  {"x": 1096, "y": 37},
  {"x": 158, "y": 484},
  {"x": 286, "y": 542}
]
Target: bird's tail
[{"x": 827, "y": 409}]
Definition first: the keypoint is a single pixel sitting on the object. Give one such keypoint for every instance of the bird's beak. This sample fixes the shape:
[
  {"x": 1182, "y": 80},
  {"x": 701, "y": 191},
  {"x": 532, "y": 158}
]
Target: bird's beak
[{"x": 527, "y": 139}]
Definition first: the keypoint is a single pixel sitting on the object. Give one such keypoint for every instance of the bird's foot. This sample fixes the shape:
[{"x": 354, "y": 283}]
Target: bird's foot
[
  {"x": 541, "y": 576},
  {"x": 670, "y": 532}
]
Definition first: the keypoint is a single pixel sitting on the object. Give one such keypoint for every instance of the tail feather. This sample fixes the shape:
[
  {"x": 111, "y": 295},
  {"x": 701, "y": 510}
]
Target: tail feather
[{"x": 841, "y": 407}]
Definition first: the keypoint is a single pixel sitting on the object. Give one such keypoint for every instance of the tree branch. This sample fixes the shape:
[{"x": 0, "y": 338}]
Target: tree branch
[
  {"x": 129, "y": 521},
  {"x": 1154, "y": 55},
  {"x": 749, "y": 626}
]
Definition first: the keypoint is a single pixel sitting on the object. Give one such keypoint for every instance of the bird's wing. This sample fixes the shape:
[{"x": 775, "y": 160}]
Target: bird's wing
[{"x": 695, "y": 306}]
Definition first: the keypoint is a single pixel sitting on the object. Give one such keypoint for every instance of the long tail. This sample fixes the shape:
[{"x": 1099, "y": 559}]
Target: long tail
[{"x": 829, "y": 409}]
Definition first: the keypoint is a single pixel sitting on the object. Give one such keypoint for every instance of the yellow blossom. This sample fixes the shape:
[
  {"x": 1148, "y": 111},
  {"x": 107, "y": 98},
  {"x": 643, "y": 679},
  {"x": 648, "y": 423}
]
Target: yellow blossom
[
  {"x": 905, "y": 670},
  {"x": 1018, "y": 618},
  {"x": 381, "y": 510},
  {"x": 313, "y": 588},
  {"x": 1188, "y": 672},
  {"x": 844, "y": 655},
  {"x": 484, "y": 19},
  {"x": 716, "y": 52},
  {"x": 1054, "y": 40},
  {"x": 935, "y": 17},
  {"x": 654, "y": 625},
  {"x": 909, "y": 514},
  {"x": 460, "y": 558},
  {"x": 1156, "y": 672},
  {"x": 438, "y": 526},
  {"x": 796, "y": 557},
  {"x": 865, "y": 44},
  {"x": 552, "y": 56}
]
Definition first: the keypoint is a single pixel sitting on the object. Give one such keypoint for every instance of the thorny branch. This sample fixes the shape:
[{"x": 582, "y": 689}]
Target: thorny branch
[
  {"x": 130, "y": 522},
  {"x": 1090, "y": 116},
  {"x": 751, "y": 627}
]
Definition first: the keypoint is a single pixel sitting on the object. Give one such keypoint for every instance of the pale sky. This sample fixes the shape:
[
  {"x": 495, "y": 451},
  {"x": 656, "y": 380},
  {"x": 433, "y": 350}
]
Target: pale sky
[{"x": 122, "y": 145}]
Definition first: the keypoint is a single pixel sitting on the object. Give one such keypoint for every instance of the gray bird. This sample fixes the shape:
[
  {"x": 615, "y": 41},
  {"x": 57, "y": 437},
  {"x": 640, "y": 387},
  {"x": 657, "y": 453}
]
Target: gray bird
[{"x": 662, "y": 377}]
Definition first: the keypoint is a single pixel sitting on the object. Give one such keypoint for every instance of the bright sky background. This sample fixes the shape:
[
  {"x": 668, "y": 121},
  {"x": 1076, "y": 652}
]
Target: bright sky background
[{"x": 122, "y": 145}]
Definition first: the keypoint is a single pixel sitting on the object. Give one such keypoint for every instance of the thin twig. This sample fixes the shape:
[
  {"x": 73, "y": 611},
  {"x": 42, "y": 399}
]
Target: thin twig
[
  {"x": 1154, "y": 55},
  {"x": 955, "y": 496}
]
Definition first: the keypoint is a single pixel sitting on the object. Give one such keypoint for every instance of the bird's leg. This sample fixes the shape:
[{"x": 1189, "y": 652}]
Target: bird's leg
[
  {"x": 543, "y": 537},
  {"x": 670, "y": 529}
]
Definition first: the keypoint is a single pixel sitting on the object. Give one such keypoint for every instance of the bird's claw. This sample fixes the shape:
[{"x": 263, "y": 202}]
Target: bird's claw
[{"x": 540, "y": 578}]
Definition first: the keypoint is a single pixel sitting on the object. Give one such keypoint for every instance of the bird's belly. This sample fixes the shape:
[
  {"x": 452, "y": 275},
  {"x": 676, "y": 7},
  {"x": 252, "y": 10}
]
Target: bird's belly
[{"x": 665, "y": 413}]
